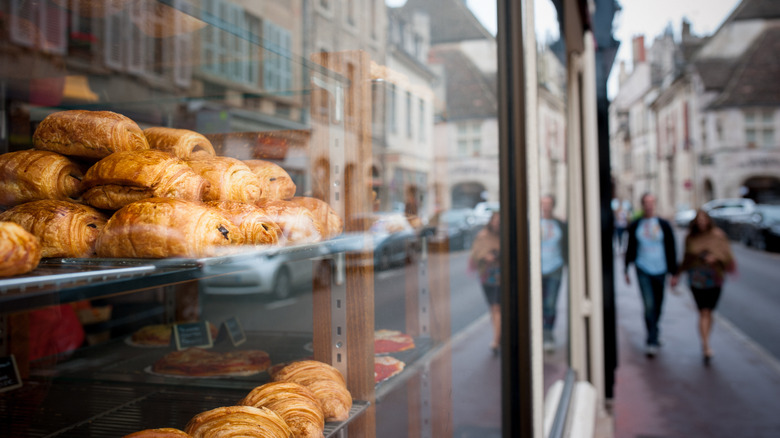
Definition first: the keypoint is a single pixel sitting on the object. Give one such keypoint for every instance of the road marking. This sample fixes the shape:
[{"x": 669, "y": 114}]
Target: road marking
[{"x": 281, "y": 303}]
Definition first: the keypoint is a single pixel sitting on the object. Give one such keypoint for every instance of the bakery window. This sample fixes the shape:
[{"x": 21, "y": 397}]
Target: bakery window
[{"x": 207, "y": 221}]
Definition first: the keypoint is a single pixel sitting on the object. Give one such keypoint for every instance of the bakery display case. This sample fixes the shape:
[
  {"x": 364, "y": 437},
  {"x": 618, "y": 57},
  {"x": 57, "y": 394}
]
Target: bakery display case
[{"x": 191, "y": 210}]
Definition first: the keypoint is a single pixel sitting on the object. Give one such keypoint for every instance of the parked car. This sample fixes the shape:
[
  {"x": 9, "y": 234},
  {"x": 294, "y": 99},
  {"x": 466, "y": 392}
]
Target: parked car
[
  {"x": 762, "y": 229},
  {"x": 484, "y": 210},
  {"x": 278, "y": 272},
  {"x": 684, "y": 217},
  {"x": 726, "y": 211},
  {"x": 459, "y": 226},
  {"x": 389, "y": 234}
]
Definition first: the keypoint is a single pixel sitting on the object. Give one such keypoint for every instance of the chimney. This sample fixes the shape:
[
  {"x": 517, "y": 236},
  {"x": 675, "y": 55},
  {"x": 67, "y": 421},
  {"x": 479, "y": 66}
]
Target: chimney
[
  {"x": 686, "y": 29},
  {"x": 639, "y": 49}
]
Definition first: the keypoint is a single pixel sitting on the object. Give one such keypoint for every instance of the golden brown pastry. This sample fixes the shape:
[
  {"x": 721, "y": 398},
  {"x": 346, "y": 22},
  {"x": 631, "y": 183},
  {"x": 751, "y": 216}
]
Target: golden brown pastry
[
  {"x": 324, "y": 381},
  {"x": 297, "y": 406},
  {"x": 180, "y": 142},
  {"x": 166, "y": 227},
  {"x": 256, "y": 227},
  {"x": 65, "y": 229},
  {"x": 230, "y": 179},
  {"x": 238, "y": 421},
  {"x": 126, "y": 177},
  {"x": 330, "y": 222},
  {"x": 88, "y": 134},
  {"x": 34, "y": 175},
  {"x": 298, "y": 223},
  {"x": 165, "y": 432},
  {"x": 275, "y": 181},
  {"x": 20, "y": 251}
]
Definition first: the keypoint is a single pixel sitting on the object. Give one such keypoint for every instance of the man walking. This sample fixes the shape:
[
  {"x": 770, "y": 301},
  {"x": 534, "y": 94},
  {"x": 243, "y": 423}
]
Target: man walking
[{"x": 651, "y": 248}]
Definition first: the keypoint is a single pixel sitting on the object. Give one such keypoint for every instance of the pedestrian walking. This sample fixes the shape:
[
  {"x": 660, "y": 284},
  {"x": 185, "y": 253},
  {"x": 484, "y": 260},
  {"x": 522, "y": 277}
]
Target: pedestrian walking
[
  {"x": 486, "y": 258},
  {"x": 554, "y": 257},
  {"x": 651, "y": 248},
  {"x": 621, "y": 223},
  {"x": 706, "y": 261}
]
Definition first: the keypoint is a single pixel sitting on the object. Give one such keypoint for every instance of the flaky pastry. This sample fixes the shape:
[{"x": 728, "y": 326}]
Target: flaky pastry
[
  {"x": 65, "y": 229},
  {"x": 165, "y": 432},
  {"x": 238, "y": 421},
  {"x": 88, "y": 134},
  {"x": 180, "y": 142},
  {"x": 230, "y": 179},
  {"x": 256, "y": 227},
  {"x": 126, "y": 177},
  {"x": 34, "y": 175},
  {"x": 298, "y": 223},
  {"x": 166, "y": 227},
  {"x": 274, "y": 180},
  {"x": 20, "y": 251},
  {"x": 324, "y": 381},
  {"x": 297, "y": 406},
  {"x": 330, "y": 222}
]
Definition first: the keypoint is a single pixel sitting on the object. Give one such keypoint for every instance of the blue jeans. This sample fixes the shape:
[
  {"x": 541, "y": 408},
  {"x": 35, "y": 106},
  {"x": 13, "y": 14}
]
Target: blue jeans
[
  {"x": 551, "y": 284},
  {"x": 652, "y": 289}
]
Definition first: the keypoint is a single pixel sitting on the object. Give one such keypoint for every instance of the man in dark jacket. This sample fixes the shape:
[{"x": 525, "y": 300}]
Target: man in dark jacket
[{"x": 651, "y": 248}]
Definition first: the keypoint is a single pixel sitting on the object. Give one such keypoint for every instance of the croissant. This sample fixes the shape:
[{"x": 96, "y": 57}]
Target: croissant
[
  {"x": 65, "y": 229},
  {"x": 298, "y": 223},
  {"x": 325, "y": 382},
  {"x": 126, "y": 177},
  {"x": 165, "y": 432},
  {"x": 34, "y": 175},
  {"x": 297, "y": 406},
  {"x": 166, "y": 227},
  {"x": 256, "y": 227},
  {"x": 230, "y": 179},
  {"x": 88, "y": 134},
  {"x": 274, "y": 180},
  {"x": 238, "y": 422},
  {"x": 180, "y": 142},
  {"x": 20, "y": 251},
  {"x": 329, "y": 220}
]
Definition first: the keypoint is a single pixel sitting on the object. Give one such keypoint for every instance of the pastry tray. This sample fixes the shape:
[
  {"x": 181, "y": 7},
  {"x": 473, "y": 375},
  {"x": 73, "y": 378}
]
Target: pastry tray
[{"x": 100, "y": 410}]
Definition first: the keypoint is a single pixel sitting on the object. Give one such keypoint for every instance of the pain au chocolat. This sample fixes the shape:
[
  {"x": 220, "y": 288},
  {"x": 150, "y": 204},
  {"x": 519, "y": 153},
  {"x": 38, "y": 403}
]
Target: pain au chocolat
[
  {"x": 34, "y": 175},
  {"x": 256, "y": 227},
  {"x": 180, "y": 142},
  {"x": 166, "y": 227},
  {"x": 274, "y": 180},
  {"x": 238, "y": 421},
  {"x": 298, "y": 223},
  {"x": 330, "y": 222},
  {"x": 65, "y": 229},
  {"x": 297, "y": 406},
  {"x": 20, "y": 251},
  {"x": 88, "y": 134},
  {"x": 229, "y": 179},
  {"x": 125, "y": 177}
]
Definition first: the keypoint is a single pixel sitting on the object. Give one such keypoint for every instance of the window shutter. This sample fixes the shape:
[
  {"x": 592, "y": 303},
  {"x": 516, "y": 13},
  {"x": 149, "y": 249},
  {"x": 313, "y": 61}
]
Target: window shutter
[
  {"x": 52, "y": 25},
  {"x": 113, "y": 35},
  {"x": 182, "y": 47},
  {"x": 286, "y": 63},
  {"x": 23, "y": 23},
  {"x": 135, "y": 43}
]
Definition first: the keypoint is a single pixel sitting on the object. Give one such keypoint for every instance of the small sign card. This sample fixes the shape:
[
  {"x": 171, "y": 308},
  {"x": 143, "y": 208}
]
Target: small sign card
[
  {"x": 195, "y": 334},
  {"x": 235, "y": 331},
  {"x": 9, "y": 374}
]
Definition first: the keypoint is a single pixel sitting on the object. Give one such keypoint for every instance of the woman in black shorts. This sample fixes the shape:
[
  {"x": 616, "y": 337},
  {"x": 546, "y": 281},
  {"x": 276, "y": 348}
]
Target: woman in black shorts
[
  {"x": 707, "y": 259},
  {"x": 485, "y": 257}
]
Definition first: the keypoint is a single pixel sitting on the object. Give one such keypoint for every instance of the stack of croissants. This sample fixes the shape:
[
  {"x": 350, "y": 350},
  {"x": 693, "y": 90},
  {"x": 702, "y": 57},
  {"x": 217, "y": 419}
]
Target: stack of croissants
[
  {"x": 96, "y": 184},
  {"x": 296, "y": 404}
]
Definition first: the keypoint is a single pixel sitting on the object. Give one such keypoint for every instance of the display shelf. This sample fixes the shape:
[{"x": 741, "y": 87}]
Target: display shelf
[
  {"x": 42, "y": 409},
  {"x": 65, "y": 280},
  {"x": 410, "y": 358}
]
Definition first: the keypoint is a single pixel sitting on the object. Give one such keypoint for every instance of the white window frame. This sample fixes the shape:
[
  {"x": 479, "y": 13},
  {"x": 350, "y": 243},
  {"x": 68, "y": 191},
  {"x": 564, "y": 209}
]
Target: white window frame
[
  {"x": 277, "y": 64},
  {"x": 760, "y": 122}
]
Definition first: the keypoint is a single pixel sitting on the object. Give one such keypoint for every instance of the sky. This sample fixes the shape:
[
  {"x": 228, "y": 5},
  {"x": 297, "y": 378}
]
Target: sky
[{"x": 637, "y": 17}]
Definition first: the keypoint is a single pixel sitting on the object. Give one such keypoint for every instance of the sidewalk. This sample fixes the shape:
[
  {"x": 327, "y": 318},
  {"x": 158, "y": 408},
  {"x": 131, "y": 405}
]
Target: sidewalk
[{"x": 674, "y": 395}]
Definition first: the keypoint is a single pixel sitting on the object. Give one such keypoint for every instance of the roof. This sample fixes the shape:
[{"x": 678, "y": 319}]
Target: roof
[
  {"x": 754, "y": 81},
  {"x": 714, "y": 73},
  {"x": 470, "y": 93},
  {"x": 756, "y": 9},
  {"x": 451, "y": 20}
]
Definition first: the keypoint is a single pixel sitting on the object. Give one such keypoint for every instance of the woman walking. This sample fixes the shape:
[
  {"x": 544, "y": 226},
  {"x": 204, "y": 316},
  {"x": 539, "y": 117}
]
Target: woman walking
[
  {"x": 707, "y": 259},
  {"x": 485, "y": 256}
]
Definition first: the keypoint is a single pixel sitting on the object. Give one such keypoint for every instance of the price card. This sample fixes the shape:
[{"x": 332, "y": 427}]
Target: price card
[
  {"x": 195, "y": 334},
  {"x": 235, "y": 331},
  {"x": 9, "y": 374}
]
